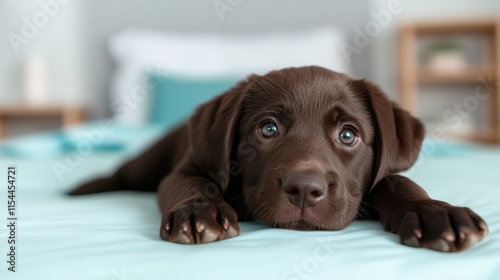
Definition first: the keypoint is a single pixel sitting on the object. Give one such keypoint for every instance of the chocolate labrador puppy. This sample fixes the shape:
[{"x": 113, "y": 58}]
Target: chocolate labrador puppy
[{"x": 299, "y": 148}]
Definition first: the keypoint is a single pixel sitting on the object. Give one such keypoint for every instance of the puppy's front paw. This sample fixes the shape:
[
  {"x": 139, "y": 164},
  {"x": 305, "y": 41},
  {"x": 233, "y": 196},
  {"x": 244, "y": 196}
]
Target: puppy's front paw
[
  {"x": 439, "y": 226},
  {"x": 200, "y": 222}
]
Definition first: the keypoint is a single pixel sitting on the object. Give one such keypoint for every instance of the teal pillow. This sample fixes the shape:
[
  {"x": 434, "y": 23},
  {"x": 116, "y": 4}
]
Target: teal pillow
[{"x": 174, "y": 99}]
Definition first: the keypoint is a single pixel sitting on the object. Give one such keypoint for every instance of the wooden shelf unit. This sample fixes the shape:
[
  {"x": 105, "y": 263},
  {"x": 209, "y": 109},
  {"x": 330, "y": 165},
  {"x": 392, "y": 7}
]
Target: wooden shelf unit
[
  {"x": 467, "y": 76},
  {"x": 69, "y": 115},
  {"x": 412, "y": 75}
]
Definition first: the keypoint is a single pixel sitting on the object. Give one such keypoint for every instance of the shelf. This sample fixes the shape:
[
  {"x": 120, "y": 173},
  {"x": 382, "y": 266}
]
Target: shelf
[
  {"x": 412, "y": 76},
  {"x": 459, "y": 26},
  {"x": 69, "y": 114},
  {"x": 484, "y": 136},
  {"x": 35, "y": 111},
  {"x": 468, "y": 76}
]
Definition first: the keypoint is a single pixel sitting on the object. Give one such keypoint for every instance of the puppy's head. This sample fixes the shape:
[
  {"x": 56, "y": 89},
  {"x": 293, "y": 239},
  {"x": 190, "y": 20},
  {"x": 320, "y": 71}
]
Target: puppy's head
[{"x": 306, "y": 145}]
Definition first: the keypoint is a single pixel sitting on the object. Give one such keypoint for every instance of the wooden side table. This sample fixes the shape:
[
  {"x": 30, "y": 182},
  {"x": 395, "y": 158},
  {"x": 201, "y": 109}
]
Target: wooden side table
[{"x": 69, "y": 115}]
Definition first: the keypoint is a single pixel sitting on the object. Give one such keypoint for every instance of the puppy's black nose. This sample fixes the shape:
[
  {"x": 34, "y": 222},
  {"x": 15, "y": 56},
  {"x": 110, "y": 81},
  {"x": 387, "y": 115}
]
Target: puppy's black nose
[{"x": 304, "y": 189}]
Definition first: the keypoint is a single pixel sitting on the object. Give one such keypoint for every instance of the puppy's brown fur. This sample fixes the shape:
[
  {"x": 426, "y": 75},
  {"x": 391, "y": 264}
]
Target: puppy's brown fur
[{"x": 223, "y": 166}]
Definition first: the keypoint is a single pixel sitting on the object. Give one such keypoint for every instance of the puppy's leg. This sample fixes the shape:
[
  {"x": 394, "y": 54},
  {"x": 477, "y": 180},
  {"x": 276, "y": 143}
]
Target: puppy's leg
[
  {"x": 405, "y": 209},
  {"x": 145, "y": 172},
  {"x": 193, "y": 211}
]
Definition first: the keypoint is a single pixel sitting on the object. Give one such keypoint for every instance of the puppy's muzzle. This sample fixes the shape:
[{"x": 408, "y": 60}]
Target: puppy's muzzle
[{"x": 304, "y": 189}]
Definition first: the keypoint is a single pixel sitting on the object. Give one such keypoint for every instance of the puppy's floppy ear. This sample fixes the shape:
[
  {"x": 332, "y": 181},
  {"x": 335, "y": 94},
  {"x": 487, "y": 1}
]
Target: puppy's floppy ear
[
  {"x": 398, "y": 135},
  {"x": 212, "y": 130}
]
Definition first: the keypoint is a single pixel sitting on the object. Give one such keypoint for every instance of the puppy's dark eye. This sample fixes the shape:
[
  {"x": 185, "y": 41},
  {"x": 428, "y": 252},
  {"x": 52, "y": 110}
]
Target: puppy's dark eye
[
  {"x": 269, "y": 130},
  {"x": 347, "y": 137}
]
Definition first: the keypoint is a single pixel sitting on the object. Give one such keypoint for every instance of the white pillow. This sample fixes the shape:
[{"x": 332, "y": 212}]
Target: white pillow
[{"x": 138, "y": 53}]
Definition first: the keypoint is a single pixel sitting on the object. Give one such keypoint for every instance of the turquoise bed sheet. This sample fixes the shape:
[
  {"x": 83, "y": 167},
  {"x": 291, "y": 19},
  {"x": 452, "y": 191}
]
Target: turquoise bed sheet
[{"x": 115, "y": 235}]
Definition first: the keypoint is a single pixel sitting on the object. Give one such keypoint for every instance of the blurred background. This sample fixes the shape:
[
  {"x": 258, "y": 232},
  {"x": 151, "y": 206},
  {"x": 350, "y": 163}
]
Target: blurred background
[{"x": 69, "y": 62}]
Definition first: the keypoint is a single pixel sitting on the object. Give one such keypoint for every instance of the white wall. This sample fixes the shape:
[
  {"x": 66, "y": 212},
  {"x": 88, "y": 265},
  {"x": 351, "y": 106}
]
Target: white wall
[
  {"x": 58, "y": 40},
  {"x": 75, "y": 40}
]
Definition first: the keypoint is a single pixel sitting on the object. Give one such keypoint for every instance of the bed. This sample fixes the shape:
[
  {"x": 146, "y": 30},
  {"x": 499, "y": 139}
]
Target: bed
[{"x": 115, "y": 235}]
